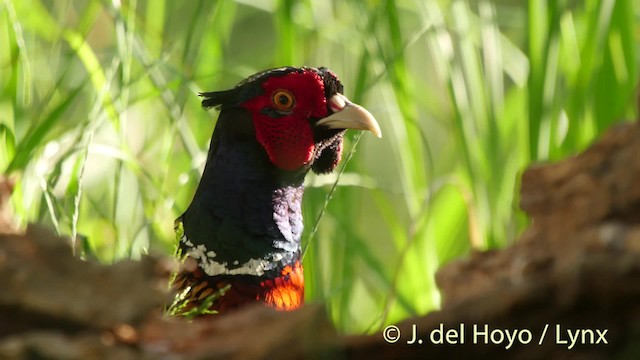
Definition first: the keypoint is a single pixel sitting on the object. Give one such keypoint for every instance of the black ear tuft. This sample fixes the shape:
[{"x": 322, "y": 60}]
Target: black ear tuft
[
  {"x": 332, "y": 85},
  {"x": 218, "y": 98}
]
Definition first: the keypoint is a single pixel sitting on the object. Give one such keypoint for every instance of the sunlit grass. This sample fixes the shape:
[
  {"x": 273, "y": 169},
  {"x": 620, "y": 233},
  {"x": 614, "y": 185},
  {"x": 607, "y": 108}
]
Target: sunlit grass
[{"x": 100, "y": 120}]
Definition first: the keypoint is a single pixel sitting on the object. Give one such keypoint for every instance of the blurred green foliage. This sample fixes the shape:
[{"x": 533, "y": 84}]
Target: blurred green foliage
[{"x": 100, "y": 121}]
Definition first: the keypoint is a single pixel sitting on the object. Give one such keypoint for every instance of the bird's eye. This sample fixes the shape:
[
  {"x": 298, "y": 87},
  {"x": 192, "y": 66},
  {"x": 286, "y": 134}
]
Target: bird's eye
[{"x": 283, "y": 100}]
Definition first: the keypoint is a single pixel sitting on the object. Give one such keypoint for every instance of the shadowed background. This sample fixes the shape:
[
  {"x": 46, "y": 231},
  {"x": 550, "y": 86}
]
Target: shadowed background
[{"x": 100, "y": 122}]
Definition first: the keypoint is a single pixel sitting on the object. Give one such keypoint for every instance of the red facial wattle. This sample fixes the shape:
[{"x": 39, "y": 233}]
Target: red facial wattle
[{"x": 288, "y": 138}]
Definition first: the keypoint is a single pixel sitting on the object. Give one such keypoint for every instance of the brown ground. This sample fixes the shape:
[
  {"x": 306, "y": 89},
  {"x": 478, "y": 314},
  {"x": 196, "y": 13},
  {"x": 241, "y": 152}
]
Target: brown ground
[{"x": 576, "y": 269}]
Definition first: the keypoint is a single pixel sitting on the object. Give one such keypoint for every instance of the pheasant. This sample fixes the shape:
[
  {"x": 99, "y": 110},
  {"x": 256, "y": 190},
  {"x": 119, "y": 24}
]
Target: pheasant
[{"x": 241, "y": 233}]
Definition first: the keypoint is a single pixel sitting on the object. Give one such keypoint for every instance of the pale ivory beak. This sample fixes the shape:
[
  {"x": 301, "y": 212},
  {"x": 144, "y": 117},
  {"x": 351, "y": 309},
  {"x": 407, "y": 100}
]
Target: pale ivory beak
[{"x": 348, "y": 115}]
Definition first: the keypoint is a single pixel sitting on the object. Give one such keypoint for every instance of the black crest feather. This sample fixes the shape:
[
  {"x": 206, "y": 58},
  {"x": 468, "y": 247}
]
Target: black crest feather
[
  {"x": 218, "y": 98},
  {"x": 245, "y": 90}
]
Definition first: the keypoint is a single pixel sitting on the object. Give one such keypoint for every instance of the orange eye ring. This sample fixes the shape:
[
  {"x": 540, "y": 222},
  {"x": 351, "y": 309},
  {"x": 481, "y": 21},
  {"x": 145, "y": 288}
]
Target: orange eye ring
[{"x": 283, "y": 100}]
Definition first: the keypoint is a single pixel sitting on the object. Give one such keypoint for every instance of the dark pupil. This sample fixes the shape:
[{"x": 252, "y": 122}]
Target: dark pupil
[{"x": 283, "y": 100}]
